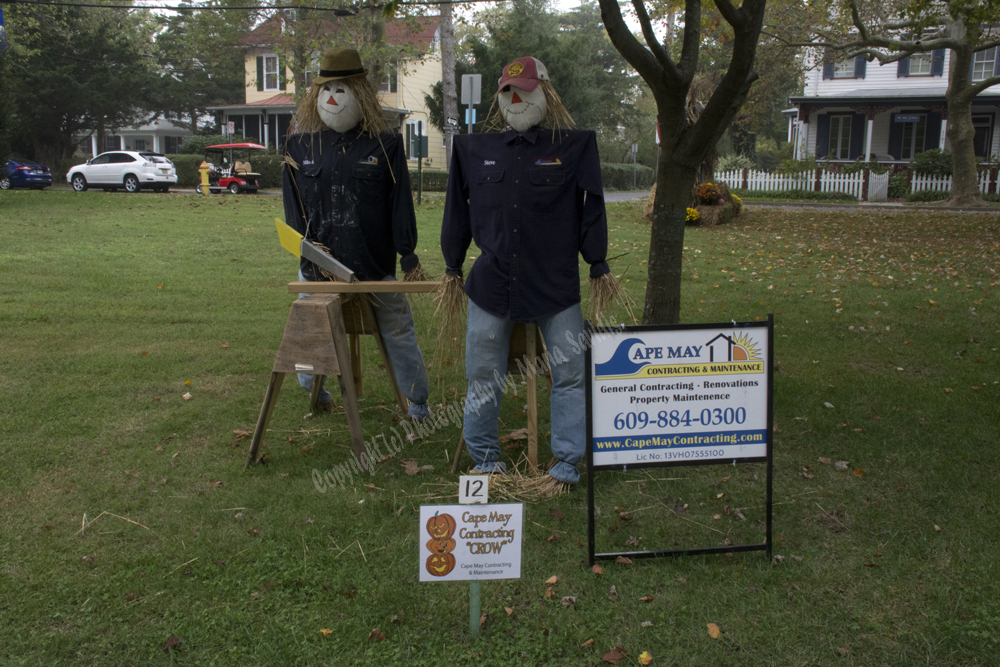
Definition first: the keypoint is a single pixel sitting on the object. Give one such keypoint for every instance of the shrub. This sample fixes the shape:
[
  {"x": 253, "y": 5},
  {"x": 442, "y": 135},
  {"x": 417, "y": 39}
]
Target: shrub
[
  {"x": 195, "y": 144},
  {"x": 619, "y": 176},
  {"x": 928, "y": 195},
  {"x": 708, "y": 194},
  {"x": 735, "y": 161},
  {"x": 899, "y": 185},
  {"x": 807, "y": 195},
  {"x": 692, "y": 215},
  {"x": 858, "y": 166},
  {"x": 434, "y": 181},
  {"x": 769, "y": 156},
  {"x": 268, "y": 166},
  {"x": 791, "y": 166},
  {"x": 935, "y": 162}
]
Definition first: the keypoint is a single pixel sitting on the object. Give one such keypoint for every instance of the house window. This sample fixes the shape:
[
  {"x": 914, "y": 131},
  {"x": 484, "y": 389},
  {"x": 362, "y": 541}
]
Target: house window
[
  {"x": 840, "y": 137},
  {"x": 414, "y": 130},
  {"x": 913, "y": 137},
  {"x": 982, "y": 64},
  {"x": 139, "y": 144},
  {"x": 174, "y": 144},
  {"x": 270, "y": 72},
  {"x": 983, "y": 138},
  {"x": 112, "y": 143},
  {"x": 391, "y": 80},
  {"x": 309, "y": 78},
  {"x": 844, "y": 69},
  {"x": 920, "y": 63}
]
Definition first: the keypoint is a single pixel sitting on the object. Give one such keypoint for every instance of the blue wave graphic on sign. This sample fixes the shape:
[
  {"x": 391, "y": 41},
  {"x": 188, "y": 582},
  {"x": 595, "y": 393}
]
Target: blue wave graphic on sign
[{"x": 619, "y": 363}]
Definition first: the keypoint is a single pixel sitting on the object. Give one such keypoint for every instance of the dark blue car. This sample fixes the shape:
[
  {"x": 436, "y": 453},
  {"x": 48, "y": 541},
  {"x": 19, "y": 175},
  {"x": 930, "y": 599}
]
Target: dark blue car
[{"x": 21, "y": 173}]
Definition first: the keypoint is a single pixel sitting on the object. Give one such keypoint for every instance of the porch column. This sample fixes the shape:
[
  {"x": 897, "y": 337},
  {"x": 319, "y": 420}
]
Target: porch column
[
  {"x": 156, "y": 143},
  {"x": 944, "y": 131},
  {"x": 267, "y": 127},
  {"x": 868, "y": 138},
  {"x": 93, "y": 144}
]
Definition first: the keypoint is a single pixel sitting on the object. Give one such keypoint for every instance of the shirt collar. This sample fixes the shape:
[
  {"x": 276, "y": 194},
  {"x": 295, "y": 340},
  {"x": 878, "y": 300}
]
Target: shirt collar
[{"x": 530, "y": 135}]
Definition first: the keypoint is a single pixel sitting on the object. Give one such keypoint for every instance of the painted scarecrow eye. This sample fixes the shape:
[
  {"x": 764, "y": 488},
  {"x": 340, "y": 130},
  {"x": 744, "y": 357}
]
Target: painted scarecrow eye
[{"x": 340, "y": 90}]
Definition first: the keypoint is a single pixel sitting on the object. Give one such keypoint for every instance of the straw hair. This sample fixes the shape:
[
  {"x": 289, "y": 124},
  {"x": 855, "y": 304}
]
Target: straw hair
[
  {"x": 372, "y": 123},
  {"x": 556, "y": 115}
]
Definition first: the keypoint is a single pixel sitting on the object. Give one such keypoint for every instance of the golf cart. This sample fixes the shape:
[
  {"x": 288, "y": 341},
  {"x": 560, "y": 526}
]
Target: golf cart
[{"x": 225, "y": 173}]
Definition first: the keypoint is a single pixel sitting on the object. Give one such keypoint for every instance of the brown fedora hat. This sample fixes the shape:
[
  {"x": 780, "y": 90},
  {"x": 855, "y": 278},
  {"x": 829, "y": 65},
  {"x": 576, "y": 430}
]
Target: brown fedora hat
[{"x": 339, "y": 63}]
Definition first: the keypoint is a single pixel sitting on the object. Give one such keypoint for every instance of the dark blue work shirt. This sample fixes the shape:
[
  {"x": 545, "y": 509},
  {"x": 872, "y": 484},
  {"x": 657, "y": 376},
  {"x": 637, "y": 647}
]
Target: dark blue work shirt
[
  {"x": 531, "y": 201},
  {"x": 352, "y": 192}
]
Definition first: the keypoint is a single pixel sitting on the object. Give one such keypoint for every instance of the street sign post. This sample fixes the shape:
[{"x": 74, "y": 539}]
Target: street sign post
[{"x": 471, "y": 94}]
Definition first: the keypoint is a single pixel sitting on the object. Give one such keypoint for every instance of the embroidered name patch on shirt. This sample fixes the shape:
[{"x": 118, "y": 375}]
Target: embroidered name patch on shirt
[
  {"x": 370, "y": 160},
  {"x": 548, "y": 161}
]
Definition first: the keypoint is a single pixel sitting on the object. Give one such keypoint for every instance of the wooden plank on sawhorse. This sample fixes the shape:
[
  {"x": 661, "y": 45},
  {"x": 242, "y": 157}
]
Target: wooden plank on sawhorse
[
  {"x": 525, "y": 343},
  {"x": 315, "y": 342}
]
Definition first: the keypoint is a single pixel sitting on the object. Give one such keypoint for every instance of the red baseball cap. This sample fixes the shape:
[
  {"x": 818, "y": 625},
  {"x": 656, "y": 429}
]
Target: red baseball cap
[{"x": 525, "y": 73}]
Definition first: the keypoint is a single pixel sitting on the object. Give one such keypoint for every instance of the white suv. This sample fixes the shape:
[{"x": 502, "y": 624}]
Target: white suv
[{"x": 131, "y": 170}]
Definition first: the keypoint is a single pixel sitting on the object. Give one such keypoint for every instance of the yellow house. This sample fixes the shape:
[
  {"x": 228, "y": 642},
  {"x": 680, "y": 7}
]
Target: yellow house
[{"x": 265, "y": 115}]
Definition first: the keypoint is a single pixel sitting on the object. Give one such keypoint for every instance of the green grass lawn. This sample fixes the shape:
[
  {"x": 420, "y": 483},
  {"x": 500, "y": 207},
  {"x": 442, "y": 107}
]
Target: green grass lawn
[{"x": 114, "y": 306}]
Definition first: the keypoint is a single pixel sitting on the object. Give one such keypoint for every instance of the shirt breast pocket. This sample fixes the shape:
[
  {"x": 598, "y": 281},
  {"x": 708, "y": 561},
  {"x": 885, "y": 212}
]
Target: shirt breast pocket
[
  {"x": 311, "y": 180},
  {"x": 368, "y": 178},
  {"x": 548, "y": 186},
  {"x": 486, "y": 191}
]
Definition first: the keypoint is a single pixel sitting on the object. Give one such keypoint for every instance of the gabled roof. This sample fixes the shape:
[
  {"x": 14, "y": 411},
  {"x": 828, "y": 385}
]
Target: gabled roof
[
  {"x": 279, "y": 100},
  {"x": 418, "y": 31}
]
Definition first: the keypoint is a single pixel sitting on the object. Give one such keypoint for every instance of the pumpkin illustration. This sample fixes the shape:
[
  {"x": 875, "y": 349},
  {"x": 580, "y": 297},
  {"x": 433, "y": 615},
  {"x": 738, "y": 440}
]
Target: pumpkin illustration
[
  {"x": 440, "y": 564},
  {"x": 441, "y": 526},
  {"x": 436, "y": 546}
]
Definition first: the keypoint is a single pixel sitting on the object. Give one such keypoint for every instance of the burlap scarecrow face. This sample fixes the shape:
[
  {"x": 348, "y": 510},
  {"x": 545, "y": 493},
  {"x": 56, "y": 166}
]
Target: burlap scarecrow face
[
  {"x": 522, "y": 101},
  {"x": 337, "y": 106}
]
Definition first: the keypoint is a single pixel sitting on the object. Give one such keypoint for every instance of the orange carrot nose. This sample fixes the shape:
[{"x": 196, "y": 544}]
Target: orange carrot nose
[
  {"x": 332, "y": 101},
  {"x": 515, "y": 99}
]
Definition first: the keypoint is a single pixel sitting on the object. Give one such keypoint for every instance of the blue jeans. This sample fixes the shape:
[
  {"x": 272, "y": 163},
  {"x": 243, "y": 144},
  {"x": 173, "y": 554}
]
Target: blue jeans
[
  {"x": 486, "y": 347},
  {"x": 395, "y": 323}
]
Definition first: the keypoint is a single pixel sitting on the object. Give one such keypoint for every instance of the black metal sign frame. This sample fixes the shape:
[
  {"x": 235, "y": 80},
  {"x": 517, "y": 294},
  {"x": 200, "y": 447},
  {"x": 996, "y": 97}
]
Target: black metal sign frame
[{"x": 768, "y": 458}]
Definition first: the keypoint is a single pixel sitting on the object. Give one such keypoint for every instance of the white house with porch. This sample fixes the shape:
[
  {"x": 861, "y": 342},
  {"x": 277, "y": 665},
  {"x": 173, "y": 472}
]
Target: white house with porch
[
  {"x": 158, "y": 135},
  {"x": 853, "y": 108}
]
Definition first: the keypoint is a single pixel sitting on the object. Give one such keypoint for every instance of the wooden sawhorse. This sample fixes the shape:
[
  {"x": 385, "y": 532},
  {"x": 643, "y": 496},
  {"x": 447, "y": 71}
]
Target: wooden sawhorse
[
  {"x": 316, "y": 342},
  {"x": 525, "y": 344}
]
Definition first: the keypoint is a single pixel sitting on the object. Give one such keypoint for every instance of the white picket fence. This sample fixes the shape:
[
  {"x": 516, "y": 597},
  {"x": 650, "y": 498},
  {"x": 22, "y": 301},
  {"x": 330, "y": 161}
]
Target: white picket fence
[
  {"x": 943, "y": 183},
  {"x": 852, "y": 184},
  {"x": 829, "y": 181}
]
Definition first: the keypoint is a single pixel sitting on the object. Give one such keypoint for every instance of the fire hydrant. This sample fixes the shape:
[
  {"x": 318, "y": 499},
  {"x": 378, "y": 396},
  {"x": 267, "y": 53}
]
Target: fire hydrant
[{"x": 203, "y": 170}]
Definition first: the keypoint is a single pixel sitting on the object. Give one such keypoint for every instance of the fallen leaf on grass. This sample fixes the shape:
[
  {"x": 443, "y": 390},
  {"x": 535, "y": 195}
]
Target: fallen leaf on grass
[
  {"x": 615, "y": 655},
  {"x": 645, "y": 658},
  {"x": 589, "y": 642},
  {"x": 187, "y": 383},
  {"x": 282, "y": 475},
  {"x": 556, "y": 514},
  {"x": 241, "y": 433},
  {"x": 549, "y": 592},
  {"x": 597, "y": 569},
  {"x": 412, "y": 437},
  {"x": 551, "y": 580},
  {"x": 843, "y": 650},
  {"x": 858, "y": 472},
  {"x": 219, "y": 483},
  {"x": 173, "y": 641},
  {"x": 646, "y": 624},
  {"x": 824, "y": 460},
  {"x": 623, "y": 560},
  {"x": 187, "y": 396},
  {"x": 509, "y": 611},
  {"x": 841, "y": 465},
  {"x": 376, "y": 635},
  {"x": 225, "y": 345},
  {"x": 520, "y": 434},
  {"x": 552, "y": 538},
  {"x": 253, "y": 533},
  {"x": 326, "y": 631},
  {"x": 937, "y": 527},
  {"x": 646, "y": 598},
  {"x": 713, "y": 631},
  {"x": 613, "y": 594},
  {"x": 568, "y": 601},
  {"x": 410, "y": 467},
  {"x": 90, "y": 561}
]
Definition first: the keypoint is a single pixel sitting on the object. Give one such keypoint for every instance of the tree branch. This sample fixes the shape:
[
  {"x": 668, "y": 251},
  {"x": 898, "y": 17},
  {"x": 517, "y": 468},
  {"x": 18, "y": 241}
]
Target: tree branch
[
  {"x": 652, "y": 42},
  {"x": 692, "y": 39},
  {"x": 980, "y": 86},
  {"x": 733, "y": 16},
  {"x": 644, "y": 62}
]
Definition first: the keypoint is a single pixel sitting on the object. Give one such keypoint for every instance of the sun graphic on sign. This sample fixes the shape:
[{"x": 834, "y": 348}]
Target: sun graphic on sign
[{"x": 745, "y": 349}]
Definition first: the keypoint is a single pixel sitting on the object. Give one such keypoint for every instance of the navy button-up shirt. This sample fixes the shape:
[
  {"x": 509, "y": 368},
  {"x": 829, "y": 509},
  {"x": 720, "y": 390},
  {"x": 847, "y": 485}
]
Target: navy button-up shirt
[
  {"x": 345, "y": 196},
  {"x": 531, "y": 201}
]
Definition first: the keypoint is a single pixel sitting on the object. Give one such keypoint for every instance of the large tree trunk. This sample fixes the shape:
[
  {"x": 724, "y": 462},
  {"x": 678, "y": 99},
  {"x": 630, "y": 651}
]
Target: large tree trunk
[
  {"x": 674, "y": 183},
  {"x": 961, "y": 133},
  {"x": 448, "y": 76}
]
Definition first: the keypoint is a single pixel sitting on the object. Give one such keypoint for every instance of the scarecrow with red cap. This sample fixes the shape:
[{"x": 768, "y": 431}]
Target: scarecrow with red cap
[
  {"x": 531, "y": 197},
  {"x": 346, "y": 187}
]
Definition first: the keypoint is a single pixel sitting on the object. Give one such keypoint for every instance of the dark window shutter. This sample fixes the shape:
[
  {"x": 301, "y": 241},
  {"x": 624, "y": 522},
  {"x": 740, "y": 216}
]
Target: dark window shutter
[
  {"x": 822, "y": 135},
  {"x": 932, "y": 135},
  {"x": 858, "y": 124},
  {"x": 859, "y": 67},
  {"x": 260, "y": 72},
  {"x": 895, "y": 137},
  {"x": 282, "y": 85},
  {"x": 828, "y": 70},
  {"x": 903, "y": 68},
  {"x": 937, "y": 62}
]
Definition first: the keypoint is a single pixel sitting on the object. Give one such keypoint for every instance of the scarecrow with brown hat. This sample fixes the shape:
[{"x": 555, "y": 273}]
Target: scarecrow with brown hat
[
  {"x": 346, "y": 188},
  {"x": 531, "y": 197}
]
